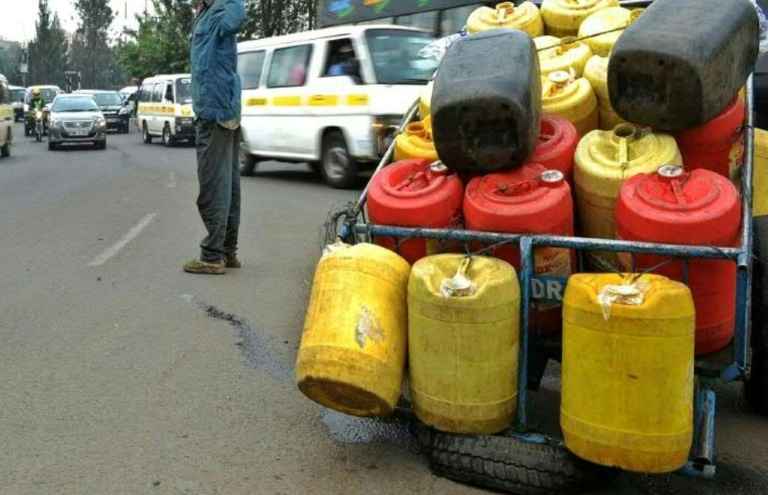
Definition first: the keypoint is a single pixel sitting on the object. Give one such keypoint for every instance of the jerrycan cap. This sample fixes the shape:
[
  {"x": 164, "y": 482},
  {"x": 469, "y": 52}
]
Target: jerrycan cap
[
  {"x": 669, "y": 172},
  {"x": 559, "y": 77},
  {"x": 438, "y": 167},
  {"x": 551, "y": 178}
]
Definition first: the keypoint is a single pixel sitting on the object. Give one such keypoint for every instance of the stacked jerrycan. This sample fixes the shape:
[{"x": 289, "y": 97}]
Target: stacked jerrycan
[
  {"x": 564, "y": 54},
  {"x": 571, "y": 98},
  {"x": 525, "y": 17},
  {"x": 416, "y": 141},
  {"x": 596, "y": 72},
  {"x": 564, "y": 17},
  {"x": 603, "y": 161},
  {"x": 609, "y": 22}
]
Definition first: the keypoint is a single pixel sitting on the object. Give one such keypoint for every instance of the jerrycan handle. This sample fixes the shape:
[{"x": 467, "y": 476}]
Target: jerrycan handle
[
  {"x": 459, "y": 285},
  {"x": 624, "y": 134},
  {"x": 675, "y": 176}
]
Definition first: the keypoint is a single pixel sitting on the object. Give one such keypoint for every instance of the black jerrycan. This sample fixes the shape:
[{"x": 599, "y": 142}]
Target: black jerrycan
[
  {"x": 486, "y": 102},
  {"x": 682, "y": 62}
]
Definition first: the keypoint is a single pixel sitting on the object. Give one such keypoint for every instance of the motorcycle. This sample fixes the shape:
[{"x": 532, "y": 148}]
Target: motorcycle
[{"x": 39, "y": 130}]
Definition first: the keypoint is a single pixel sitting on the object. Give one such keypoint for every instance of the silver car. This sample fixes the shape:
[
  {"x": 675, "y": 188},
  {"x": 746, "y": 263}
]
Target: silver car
[{"x": 76, "y": 119}]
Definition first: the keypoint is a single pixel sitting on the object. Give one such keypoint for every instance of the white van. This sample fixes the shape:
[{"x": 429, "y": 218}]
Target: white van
[
  {"x": 7, "y": 118},
  {"x": 165, "y": 109},
  {"x": 18, "y": 98},
  {"x": 331, "y": 97}
]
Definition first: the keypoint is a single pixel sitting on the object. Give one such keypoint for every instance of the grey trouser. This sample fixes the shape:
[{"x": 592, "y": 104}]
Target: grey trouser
[{"x": 218, "y": 171}]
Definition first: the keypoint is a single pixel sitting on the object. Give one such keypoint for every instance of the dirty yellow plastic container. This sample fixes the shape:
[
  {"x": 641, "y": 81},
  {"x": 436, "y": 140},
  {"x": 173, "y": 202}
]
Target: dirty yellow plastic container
[
  {"x": 425, "y": 101},
  {"x": 627, "y": 375},
  {"x": 609, "y": 19},
  {"x": 525, "y": 17},
  {"x": 760, "y": 175},
  {"x": 603, "y": 161},
  {"x": 416, "y": 141},
  {"x": 353, "y": 349},
  {"x": 596, "y": 72},
  {"x": 564, "y": 55},
  {"x": 572, "y": 99},
  {"x": 463, "y": 334},
  {"x": 564, "y": 17}
]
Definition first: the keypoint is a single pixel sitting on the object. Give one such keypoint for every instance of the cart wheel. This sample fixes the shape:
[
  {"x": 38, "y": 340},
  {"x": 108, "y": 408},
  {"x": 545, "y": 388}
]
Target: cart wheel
[
  {"x": 757, "y": 385},
  {"x": 507, "y": 464}
]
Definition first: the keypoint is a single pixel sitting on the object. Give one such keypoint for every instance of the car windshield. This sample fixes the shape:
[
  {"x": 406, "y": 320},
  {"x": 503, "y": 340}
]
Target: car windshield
[
  {"x": 17, "y": 95},
  {"x": 111, "y": 99},
  {"x": 75, "y": 104},
  {"x": 395, "y": 56},
  {"x": 47, "y": 94},
  {"x": 184, "y": 91}
]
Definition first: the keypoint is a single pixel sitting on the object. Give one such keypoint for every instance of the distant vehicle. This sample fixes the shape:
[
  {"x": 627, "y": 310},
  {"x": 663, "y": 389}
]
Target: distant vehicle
[
  {"x": 115, "y": 110},
  {"x": 127, "y": 92},
  {"x": 76, "y": 119},
  {"x": 47, "y": 93},
  {"x": 165, "y": 109},
  {"x": 18, "y": 98},
  {"x": 6, "y": 118},
  {"x": 331, "y": 97}
]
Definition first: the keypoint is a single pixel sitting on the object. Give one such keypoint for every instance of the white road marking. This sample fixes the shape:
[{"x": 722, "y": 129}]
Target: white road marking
[
  {"x": 172, "y": 181},
  {"x": 115, "y": 248}
]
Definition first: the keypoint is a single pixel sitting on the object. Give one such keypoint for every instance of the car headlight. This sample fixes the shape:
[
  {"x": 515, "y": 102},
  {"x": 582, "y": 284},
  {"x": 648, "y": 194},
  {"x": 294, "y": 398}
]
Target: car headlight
[
  {"x": 55, "y": 123},
  {"x": 100, "y": 122},
  {"x": 123, "y": 111}
]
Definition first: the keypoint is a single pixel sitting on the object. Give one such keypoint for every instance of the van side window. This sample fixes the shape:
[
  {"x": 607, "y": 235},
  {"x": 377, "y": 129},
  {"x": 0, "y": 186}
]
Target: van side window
[
  {"x": 168, "y": 96},
  {"x": 342, "y": 60},
  {"x": 289, "y": 67},
  {"x": 157, "y": 92},
  {"x": 146, "y": 93},
  {"x": 249, "y": 66}
]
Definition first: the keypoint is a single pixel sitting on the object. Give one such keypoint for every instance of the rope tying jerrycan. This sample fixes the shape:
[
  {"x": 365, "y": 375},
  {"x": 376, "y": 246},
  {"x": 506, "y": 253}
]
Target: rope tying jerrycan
[
  {"x": 571, "y": 98},
  {"x": 416, "y": 142},
  {"x": 603, "y": 161},
  {"x": 596, "y": 72},
  {"x": 564, "y": 54},
  {"x": 564, "y": 17},
  {"x": 525, "y": 17},
  {"x": 608, "y": 21}
]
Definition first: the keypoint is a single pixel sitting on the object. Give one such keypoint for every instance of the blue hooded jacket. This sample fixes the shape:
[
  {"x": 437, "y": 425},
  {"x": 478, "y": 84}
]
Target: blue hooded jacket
[{"x": 215, "y": 82}]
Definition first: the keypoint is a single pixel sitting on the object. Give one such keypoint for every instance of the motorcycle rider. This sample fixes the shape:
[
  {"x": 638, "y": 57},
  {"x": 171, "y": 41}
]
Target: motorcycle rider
[{"x": 35, "y": 104}]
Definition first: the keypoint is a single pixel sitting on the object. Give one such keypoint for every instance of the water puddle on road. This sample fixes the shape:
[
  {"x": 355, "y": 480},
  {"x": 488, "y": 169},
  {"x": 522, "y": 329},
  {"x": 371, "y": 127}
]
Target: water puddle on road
[{"x": 255, "y": 346}]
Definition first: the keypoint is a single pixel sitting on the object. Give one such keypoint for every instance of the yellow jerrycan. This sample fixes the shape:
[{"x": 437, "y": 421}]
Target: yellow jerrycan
[
  {"x": 525, "y": 17},
  {"x": 603, "y": 161},
  {"x": 607, "y": 21},
  {"x": 564, "y": 54},
  {"x": 570, "y": 98},
  {"x": 564, "y": 17},
  {"x": 425, "y": 101},
  {"x": 463, "y": 339},
  {"x": 760, "y": 175},
  {"x": 596, "y": 72},
  {"x": 416, "y": 141},
  {"x": 627, "y": 375},
  {"x": 353, "y": 349}
]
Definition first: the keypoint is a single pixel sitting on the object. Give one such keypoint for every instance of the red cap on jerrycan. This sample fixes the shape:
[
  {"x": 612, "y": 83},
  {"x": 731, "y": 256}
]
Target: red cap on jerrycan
[
  {"x": 414, "y": 193},
  {"x": 699, "y": 207}
]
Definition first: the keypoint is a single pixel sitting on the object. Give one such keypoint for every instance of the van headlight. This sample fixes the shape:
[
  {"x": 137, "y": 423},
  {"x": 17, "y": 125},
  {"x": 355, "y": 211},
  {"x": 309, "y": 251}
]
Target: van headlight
[{"x": 123, "y": 111}]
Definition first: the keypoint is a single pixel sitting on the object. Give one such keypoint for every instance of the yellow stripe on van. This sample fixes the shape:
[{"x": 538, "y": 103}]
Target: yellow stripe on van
[
  {"x": 256, "y": 102},
  {"x": 357, "y": 100},
  {"x": 287, "y": 101},
  {"x": 323, "y": 100}
]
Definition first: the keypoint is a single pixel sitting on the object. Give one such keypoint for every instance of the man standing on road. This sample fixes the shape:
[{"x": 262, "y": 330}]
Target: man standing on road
[{"x": 216, "y": 99}]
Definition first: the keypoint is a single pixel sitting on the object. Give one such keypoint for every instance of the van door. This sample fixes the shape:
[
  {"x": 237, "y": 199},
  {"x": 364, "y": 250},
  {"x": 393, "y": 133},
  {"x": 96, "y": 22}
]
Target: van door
[
  {"x": 250, "y": 67},
  {"x": 286, "y": 113},
  {"x": 6, "y": 116},
  {"x": 156, "y": 104}
]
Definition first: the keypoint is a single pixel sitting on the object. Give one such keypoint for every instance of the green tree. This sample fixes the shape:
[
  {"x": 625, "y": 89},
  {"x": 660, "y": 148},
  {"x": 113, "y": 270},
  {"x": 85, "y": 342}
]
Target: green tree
[
  {"x": 160, "y": 44},
  {"x": 268, "y": 18},
  {"x": 48, "y": 51},
  {"x": 91, "y": 53},
  {"x": 9, "y": 62}
]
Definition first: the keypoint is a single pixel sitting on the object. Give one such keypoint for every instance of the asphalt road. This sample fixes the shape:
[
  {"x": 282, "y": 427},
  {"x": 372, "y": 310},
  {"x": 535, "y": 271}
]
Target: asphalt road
[{"x": 120, "y": 374}]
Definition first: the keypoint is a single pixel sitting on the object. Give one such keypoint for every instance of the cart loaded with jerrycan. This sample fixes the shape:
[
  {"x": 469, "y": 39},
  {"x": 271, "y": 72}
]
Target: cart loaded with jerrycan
[{"x": 599, "y": 199}]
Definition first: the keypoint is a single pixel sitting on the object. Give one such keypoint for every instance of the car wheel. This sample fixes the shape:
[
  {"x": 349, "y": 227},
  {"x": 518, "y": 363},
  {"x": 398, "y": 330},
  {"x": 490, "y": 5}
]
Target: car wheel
[
  {"x": 167, "y": 137},
  {"x": 338, "y": 168},
  {"x": 145, "y": 134},
  {"x": 51, "y": 146},
  {"x": 102, "y": 145}
]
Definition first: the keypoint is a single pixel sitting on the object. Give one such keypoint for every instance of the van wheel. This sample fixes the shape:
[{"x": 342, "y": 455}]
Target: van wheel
[
  {"x": 145, "y": 134},
  {"x": 5, "y": 151},
  {"x": 247, "y": 163},
  {"x": 338, "y": 168},
  {"x": 168, "y": 140}
]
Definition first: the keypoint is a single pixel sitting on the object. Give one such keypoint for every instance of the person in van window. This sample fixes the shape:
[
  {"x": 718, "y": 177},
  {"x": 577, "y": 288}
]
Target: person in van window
[
  {"x": 346, "y": 64},
  {"x": 216, "y": 101},
  {"x": 297, "y": 73}
]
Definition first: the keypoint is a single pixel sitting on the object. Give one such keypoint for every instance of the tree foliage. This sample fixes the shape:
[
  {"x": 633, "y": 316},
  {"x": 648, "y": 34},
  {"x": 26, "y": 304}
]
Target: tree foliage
[
  {"x": 48, "y": 51},
  {"x": 267, "y": 18},
  {"x": 91, "y": 52},
  {"x": 10, "y": 55}
]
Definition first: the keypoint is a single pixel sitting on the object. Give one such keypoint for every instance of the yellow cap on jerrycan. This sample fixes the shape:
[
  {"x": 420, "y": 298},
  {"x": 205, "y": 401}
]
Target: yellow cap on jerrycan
[
  {"x": 564, "y": 17},
  {"x": 608, "y": 21},
  {"x": 561, "y": 54},
  {"x": 627, "y": 375},
  {"x": 463, "y": 337},
  {"x": 425, "y": 101},
  {"x": 603, "y": 161},
  {"x": 573, "y": 99},
  {"x": 596, "y": 72},
  {"x": 525, "y": 17},
  {"x": 416, "y": 141},
  {"x": 352, "y": 353}
]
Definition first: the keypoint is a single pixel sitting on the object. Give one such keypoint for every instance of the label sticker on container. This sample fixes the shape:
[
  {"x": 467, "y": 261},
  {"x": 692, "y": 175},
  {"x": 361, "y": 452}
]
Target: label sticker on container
[{"x": 552, "y": 262}]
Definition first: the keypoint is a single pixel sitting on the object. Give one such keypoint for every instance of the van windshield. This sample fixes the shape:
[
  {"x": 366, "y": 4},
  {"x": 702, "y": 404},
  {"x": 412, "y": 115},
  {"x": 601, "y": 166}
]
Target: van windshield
[
  {"x": 395, "y": 56},
  {"x": 184, "y": 91},
  {"x": 17, "y": 95}
]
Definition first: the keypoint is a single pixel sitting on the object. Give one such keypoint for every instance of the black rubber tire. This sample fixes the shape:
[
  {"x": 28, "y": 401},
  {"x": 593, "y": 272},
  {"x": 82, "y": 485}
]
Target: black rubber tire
[
  {"x": 145, "y": 135},
  {"x": 167, "y": 137},
  {"x": 756, "y": 388},
  {"x": 508, "y": 465},
  {"x": 51, "y": 146},
  {"x": 335, "y": 149},
  {"x": 101, "y": 145},
  {"x": 5, "y": 151},
  {"x": 315, "y": 167}
]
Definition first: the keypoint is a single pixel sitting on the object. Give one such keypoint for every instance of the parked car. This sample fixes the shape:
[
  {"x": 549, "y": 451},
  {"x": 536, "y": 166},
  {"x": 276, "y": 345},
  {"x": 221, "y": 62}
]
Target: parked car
[
  {"x": 76, "y": 119},
  {"x": 115, "y": 110},
  {"x": 18, "y": 98}
]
